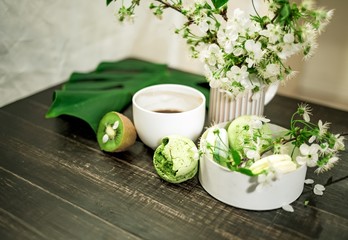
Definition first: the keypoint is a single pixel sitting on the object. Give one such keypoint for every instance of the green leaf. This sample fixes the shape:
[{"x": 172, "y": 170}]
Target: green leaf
[
  {"x": 284, "y": 12},
  {"x": 101, "y": 81},
  {"x": 236, "y": 157},
  {"x": 219, "y": 3},
  {"x": 89, "y": 106},
  {"x": 89, "y": 96},
  {"x": 108, "y": 2},
  {"x": 218, "y": 159},
  {"x": 245, "y": 171},
  {"x": 130, "y": 66}
]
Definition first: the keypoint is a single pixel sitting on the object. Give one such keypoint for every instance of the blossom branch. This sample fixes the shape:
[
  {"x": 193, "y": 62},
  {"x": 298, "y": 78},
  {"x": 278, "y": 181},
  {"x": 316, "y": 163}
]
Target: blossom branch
[{"x": 241, "y": 52}]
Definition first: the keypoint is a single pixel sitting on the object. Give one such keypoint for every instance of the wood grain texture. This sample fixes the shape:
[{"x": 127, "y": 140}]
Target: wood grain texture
[
  {"x": 57, "y": 184},
  {"x": 47, "y": 215}
]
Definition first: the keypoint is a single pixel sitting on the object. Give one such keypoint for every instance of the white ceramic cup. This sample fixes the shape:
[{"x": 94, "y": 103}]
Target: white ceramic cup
[{"x": 168, "y": 109}]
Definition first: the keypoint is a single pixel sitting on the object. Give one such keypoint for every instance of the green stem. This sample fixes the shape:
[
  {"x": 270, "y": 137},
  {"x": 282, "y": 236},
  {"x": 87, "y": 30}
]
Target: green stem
[
  {"x": 168, "y": 5},
  {"x": 252, "y": 1},
  {"x": 283, "y": 141}
]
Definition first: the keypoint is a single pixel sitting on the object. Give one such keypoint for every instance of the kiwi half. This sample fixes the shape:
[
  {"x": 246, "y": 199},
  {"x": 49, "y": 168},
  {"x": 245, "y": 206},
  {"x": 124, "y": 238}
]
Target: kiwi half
[{"x": 115, "y": 132}]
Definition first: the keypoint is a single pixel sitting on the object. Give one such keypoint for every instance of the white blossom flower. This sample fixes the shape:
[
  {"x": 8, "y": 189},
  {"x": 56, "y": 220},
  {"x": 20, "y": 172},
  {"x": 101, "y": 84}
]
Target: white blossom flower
[
  {"x": 307, "y": 4},
  {"x": 324, "y": 148},
  {"x": 203, "y": 22},
  {"x": 227, "y": 37},
  {"x": 288, "y": 47},
  {"x": 291, "y": 74},
  {"x": 305, "y": 111},
  {"x": 199, "y": 2},
  {"x": 239, "y": 14},
  {"x": 330, "y": 163},
  {"x": 203, "y": 26},
  {"x": 240, "y": 20},
  {"x": 238, "y": 51},
  {"x": 289, "y": 38},
  {"x": 246, "y": 83},
  {"x": 309, "y": 36},
  {"x": 287, "y": 50},
  {"x": 325, "y": 19},
  {"x": 280, "y": 148},
  {"x": 272, "y": 32},
  {"x": 271, "y": 7},
  {"x": 213, "y": 55},
  {"x": 238, "y": 74},
  {"x": 254, "y": 50},
  {"x": 254, "y": 150},
  {"x": 252, "y": 154},
  {"x": 253, "y": 28},
  {"x": 215, "y": 83},
  {"x": 272, "y": 70},
  {"x": 309, "y": 155},
  {"x": 323, "y": 128},
  {"x": 238, "y": 38},
  {"x": 258, "y": 121},
  {"x": 339, "y": 143}
]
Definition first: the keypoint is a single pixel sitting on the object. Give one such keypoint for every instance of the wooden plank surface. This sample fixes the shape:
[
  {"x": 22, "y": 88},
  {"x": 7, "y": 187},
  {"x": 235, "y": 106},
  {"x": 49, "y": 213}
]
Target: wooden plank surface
[
  {"x": 57, "y": 184},
  {"x": 45, "y": 215}
]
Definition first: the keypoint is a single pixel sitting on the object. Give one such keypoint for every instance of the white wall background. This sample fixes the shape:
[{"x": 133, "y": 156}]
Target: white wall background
[
  {"x": 43, "y": 41},
  {"x": 324, "y": 77}
]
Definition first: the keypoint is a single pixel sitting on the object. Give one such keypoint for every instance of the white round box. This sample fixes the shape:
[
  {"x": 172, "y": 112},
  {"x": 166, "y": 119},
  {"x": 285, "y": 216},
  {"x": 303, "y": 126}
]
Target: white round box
[{"x": 239, "y": 190}]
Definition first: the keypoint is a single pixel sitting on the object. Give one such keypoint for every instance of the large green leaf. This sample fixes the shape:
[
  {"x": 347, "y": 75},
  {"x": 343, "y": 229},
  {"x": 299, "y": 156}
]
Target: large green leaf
[
  {"x": 219, "y": 3},
  {"x": 130, "y": 65},
  {"x": 89, "y": 106},
  {"x": 108, "y": 2},
  {"x": 88, "y": 96}
]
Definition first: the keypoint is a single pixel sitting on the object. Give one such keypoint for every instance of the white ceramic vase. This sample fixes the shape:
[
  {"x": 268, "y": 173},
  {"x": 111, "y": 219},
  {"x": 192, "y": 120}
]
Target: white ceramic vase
[
  {"x": 241, "y": 191},
  {"x": 222, "y": 108}
]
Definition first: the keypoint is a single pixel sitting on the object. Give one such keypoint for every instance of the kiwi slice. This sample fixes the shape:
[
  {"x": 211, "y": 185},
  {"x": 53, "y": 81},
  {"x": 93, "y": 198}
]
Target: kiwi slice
[{"x": 115, "y": 132}]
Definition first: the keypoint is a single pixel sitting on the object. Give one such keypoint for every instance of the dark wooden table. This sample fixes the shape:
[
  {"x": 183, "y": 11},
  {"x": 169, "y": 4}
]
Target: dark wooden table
[{"x": 57, "y": 184}]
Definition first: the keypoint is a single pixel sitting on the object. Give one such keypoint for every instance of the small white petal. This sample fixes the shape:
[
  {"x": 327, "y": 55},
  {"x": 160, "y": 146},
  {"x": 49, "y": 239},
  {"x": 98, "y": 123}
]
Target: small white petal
[
  {"x": 105, "y": 138},
  {"x": 116, "y": 124},
  {"x": 288, "y": 38},
  {"x": 309, "y": 181},
  {"x": 195, "y": 153},
  {"x": 312, "y": 139},
  {"x": 304, "y": 149},
  {"x": 319, "y": 187},
  {"x": 288, "y": 208},
  {"x": 307, "y": 118},
  {"x": 301, "y": 160},
  {"x": 318, "y": 192}
]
